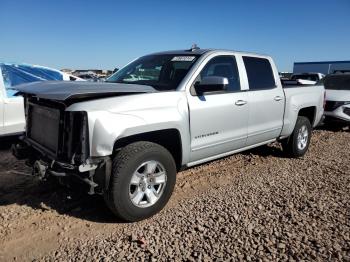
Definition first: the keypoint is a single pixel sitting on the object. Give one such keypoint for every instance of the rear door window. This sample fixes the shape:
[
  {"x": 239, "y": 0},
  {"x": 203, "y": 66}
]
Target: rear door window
[{"x": 259, "y": 72}]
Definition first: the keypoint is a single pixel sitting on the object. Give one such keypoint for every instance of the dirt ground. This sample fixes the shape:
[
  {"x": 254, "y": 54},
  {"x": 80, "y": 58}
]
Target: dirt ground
[{"x": 257, "y": 205}]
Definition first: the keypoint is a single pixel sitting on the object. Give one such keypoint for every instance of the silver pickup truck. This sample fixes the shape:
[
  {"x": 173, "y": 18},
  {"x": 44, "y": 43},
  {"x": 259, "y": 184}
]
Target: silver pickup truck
[{"x": 127, "y": 138}]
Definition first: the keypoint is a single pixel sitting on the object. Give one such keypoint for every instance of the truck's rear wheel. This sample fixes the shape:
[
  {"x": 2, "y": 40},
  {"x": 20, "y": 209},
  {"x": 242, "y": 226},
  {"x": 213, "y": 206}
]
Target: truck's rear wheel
[
  {"x": 142, "y": 181},
  {"x": 298, "y": 142}
]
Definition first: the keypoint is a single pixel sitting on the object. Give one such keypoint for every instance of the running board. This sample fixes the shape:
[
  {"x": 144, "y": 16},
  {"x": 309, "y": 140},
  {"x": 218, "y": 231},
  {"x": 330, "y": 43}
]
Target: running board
[{"x": 194, "y": 163}]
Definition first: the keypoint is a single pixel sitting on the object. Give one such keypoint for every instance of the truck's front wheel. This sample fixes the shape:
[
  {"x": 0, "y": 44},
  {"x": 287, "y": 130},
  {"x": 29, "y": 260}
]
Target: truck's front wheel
[
  {"x": 298, "y": 142},
  {"x": 142, "y": 181}
]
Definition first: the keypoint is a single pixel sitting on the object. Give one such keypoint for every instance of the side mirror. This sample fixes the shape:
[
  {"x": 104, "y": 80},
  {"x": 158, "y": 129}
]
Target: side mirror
[{"x": 211, "y": 84}]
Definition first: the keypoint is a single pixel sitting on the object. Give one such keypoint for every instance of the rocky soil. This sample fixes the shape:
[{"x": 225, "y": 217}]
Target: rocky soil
[{"x": 257, "y": 205}]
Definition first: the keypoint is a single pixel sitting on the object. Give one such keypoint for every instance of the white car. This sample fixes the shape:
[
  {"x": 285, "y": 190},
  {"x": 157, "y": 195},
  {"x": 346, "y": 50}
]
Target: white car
[
  {"x": 307, "y": 78},
  {"x": 11, "y": 107},
  {"x": 337, "y": 98}
]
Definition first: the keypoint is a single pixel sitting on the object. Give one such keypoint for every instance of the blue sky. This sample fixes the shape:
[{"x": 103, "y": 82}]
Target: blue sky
[{"x": 107, "y": 34}]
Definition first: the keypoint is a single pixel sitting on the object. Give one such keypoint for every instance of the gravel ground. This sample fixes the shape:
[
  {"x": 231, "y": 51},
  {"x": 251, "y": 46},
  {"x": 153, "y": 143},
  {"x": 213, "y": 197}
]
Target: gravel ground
[{"x": 252, "y": 206}]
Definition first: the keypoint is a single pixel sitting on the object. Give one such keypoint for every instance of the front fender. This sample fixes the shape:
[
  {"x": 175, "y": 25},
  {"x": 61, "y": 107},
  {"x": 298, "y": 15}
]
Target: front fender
[{"x": 106, "y": 128}]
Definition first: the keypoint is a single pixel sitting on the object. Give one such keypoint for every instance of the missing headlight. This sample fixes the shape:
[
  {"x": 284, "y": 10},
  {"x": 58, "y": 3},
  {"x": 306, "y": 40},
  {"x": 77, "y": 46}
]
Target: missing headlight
[{"x": 76, "y": 137}]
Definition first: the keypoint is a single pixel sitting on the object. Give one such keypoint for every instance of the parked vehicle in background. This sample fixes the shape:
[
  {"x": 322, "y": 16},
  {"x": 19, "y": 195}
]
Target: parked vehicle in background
[
  {"x": 307, "y": 78},
  {"x": 127, "y": 138},
  {"x": 285, "y": 75},
  {"x": 11, "y": 107},
  {"x": 324, "y": 67},
  {"x": 89, "y": 77},
  {"x": 337, "y": 98}
]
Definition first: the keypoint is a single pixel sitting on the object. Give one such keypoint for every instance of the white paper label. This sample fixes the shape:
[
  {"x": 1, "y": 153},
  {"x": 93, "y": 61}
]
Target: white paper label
[{"x": 183, "y": 58}]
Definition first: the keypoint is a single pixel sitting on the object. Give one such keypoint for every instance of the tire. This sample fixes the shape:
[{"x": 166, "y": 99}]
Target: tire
[
  {"x": 134, "y": 201},
  {"x": 296, "y": 146}
]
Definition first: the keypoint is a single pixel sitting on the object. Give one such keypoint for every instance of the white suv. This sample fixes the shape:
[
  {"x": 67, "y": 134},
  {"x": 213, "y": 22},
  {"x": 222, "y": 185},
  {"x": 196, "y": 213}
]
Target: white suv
[{"x": 337, "y": 98}]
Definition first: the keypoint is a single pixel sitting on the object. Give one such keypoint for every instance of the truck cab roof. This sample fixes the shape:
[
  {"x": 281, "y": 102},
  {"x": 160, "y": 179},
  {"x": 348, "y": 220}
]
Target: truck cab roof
[{"x": 199, "y": 51}]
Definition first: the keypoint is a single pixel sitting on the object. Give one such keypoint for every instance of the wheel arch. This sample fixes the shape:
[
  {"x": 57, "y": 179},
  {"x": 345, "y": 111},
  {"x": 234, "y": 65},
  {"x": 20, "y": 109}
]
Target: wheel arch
[
  {"x": 168, "y": 138},
  {"x": 309, "y": 113}
]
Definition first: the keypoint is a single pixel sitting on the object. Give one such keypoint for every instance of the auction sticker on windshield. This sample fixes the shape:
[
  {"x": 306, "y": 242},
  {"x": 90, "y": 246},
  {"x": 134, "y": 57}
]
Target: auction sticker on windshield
[{"x": 183, "y": 58}]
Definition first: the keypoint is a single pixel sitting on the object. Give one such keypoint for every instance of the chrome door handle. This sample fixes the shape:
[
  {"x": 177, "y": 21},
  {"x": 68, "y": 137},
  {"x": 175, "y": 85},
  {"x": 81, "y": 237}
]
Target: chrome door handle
[
  {"x": 278, "y": 98},
  {"x": 240, "y": 102}
]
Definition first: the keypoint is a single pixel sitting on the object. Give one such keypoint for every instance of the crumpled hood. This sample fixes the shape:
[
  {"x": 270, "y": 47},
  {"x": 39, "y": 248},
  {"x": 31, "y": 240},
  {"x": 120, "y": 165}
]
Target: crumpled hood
[
  {"x": 337, "y": 95},
  {"x": 61, "y": 91}
]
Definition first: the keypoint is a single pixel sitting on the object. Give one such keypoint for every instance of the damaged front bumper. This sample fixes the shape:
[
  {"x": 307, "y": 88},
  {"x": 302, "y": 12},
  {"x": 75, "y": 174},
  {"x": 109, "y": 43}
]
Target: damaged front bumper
[{"x": 94, "y": 172}]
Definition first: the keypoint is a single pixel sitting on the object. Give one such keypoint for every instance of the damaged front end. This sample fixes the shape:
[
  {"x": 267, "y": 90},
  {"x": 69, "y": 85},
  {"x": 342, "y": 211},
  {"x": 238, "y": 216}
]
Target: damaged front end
[{"x": 56, "y": 144}]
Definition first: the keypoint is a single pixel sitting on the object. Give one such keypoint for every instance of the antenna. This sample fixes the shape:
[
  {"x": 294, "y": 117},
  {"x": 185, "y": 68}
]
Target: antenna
[{"x": 194, "y": 47}]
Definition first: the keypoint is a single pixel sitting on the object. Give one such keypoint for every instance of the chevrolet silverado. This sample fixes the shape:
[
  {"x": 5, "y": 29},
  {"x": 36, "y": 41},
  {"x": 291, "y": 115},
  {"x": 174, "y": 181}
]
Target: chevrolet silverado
[{"x": 126, "y": 139}]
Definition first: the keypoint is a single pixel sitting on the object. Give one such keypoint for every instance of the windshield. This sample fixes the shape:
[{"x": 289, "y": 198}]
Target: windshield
[
  {"x": 162, "y": 72},
  {"x": 311, "y": 77},
  {"x": 337, "y": 82}
]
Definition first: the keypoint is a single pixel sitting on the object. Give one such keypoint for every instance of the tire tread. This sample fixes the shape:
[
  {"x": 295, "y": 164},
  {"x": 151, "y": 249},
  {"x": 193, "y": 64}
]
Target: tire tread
[
  {"x": 121, "y": 159},
  {"x": 289, "y": 144}
]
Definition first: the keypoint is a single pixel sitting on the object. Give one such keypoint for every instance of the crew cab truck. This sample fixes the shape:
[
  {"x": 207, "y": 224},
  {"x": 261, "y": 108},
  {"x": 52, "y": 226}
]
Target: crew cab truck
[{"x": 127, "y": 138}]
